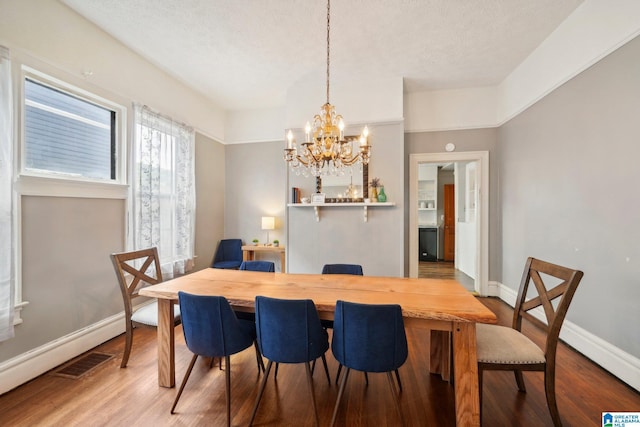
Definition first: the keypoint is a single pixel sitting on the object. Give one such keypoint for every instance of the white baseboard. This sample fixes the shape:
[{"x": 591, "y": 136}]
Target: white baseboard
[
  {"x": 493, "y": 289},
  {"x": 29, "y": 365},
  {"x": 619, "y": 363}
]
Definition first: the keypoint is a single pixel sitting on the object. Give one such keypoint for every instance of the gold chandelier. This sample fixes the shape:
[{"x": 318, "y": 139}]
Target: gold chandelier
[{"x": 326, "y": 150}]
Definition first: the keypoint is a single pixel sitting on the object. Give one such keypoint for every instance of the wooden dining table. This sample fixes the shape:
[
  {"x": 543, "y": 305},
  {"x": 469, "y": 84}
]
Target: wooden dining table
[{"x": 442, "y": 306}]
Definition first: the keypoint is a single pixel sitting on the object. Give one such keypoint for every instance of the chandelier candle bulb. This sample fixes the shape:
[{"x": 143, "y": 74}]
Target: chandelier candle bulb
[
  {"x": 290, "y": 139},
  {"x": 307, "y": 130}
]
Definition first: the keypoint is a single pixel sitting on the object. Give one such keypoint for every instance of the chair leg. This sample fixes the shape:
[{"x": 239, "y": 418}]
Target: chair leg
[
  {"x": 338, "y": 373},
  {"x": 127, "y": 345},
  {"x": 550, "y": 392},
  {"x": 399, "y": 382},
  {"x": 227, "y": 363},
  {"x": 275, "y": 376},
  {"x": 184, "y": 381},
  {"x": 366, "y": 378},
  {"x": 313, "y": 395},
  {"x": 258, "y": 357},
  {"x": 326, "y": 369},
  {"x": 395, "y": 397},
  {"x": 520, "y": 381},
  {"x": 480, "y": 372},
  {"x": 340, "y": 392},
  {"x": 262, "y": 385}
]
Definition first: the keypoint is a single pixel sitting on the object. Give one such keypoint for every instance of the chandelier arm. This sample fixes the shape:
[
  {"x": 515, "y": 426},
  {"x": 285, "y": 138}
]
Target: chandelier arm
[
  {"x": 353, "y": 160},
  {"x": 302, "y": 160}
]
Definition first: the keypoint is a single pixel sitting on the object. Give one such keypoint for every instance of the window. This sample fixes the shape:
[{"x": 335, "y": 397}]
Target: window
[
  {"x": 163, "y": 187},
  {"x": 67, "y": 135},
  {"x": 71, "y": 139}
]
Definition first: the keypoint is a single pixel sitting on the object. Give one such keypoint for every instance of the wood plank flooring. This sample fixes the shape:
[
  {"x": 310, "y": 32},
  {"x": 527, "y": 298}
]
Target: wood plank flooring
[
  {"x": 110, "y": 396},
  {"x": 444, "y": 270}
]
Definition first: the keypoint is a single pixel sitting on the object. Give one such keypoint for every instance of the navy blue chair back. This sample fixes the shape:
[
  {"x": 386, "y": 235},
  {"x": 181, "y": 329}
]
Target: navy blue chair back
[
  {"x": 354, "y": 269},
  {"x": 228, "y": 255},
  {"x": 210, "y": 326},
  {"x": 369, "y": 338},
  {"x": 289, "y": 331},
  {"x": 267, "y": 266}
]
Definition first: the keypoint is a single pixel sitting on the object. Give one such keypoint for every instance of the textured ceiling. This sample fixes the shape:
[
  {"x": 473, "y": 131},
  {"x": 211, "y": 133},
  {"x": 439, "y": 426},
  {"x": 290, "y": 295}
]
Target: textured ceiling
[{"x": 245, "y": 54}]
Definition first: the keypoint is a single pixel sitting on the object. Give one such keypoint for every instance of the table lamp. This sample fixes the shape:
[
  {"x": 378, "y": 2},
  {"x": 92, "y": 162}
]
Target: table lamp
[{"x": 268, "y": 223}]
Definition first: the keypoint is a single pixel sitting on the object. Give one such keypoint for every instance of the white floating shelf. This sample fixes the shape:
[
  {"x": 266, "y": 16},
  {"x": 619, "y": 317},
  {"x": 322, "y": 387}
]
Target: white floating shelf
[{"x": 316, "y": 206}]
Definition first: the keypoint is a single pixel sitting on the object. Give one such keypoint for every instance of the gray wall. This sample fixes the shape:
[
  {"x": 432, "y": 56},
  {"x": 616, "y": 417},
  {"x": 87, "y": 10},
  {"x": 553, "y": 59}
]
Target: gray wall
[
  {"x": 255, "y": 187},
  {"x": 67, "y": 276},
  {"x": 210, "y": 189},
  {"x": 569, "y": 172},
  {"x": 464, "y": 140},
  {"x": 342, "y": 236}
]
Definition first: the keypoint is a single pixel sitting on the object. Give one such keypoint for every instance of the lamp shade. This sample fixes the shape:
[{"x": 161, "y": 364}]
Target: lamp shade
[{"x": 268, "y": 223}]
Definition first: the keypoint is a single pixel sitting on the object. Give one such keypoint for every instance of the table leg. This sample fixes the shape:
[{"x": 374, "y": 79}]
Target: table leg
[
  {"x": 465, "y": 371},
  {"x": 440, "y": 354},
  {"x": 246, "y": 255},
  {"x": 166, "y": 344}
]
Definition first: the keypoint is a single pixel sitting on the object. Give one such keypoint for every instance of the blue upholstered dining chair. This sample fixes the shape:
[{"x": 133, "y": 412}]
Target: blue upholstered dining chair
[
  {"x": 369, "y": 338},
  {"x": 289, "y": 331},
  {"x": 228, "y": 255},
  {"x": 266, "y": 266},
  {"x": 211, "y": 329},
  {"x": 354, "y": 269}
]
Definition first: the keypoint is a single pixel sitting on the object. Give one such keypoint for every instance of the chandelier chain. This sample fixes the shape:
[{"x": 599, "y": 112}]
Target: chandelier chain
[
  {"x": 325, "y": 149},
  {"x": 328, "y": 44}
]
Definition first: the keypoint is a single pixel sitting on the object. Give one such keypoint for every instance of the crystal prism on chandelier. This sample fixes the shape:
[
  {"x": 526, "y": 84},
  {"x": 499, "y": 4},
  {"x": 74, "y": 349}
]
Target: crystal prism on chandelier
[{"x": 325, "y": 150}]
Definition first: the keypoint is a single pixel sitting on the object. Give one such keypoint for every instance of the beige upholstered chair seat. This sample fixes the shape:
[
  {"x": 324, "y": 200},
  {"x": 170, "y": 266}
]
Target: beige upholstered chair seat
[
  {"x": 148, "y": 314},
  {"x": 507, "y": 349},
  {"x": 500, "y": 344}
]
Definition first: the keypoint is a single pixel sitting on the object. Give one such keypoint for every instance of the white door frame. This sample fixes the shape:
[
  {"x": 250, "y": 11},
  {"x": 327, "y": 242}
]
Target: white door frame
[{"x": 482, "y": 239}]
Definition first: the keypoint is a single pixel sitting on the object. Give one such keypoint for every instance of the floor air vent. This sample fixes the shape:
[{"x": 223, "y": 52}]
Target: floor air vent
[{"x": 83, "y": 365}]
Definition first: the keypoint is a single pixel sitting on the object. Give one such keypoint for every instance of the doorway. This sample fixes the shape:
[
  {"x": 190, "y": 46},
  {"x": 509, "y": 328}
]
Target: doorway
[{"x": 469, "y": 228}]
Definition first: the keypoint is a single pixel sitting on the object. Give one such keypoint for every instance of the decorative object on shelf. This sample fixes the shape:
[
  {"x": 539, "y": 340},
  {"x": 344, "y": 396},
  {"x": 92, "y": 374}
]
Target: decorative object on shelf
[
  {"x": 276, "y": 243},
  {"x": 374, "y": 184},
  {"x": 268, "y": 223},
  {"x": 317, "y": 198},
  {"x": 382, "y": 197},
  {"x": 255, "y": 242},
  {"x": 295, "y": 195},
  {"x": 326, "y": 150}
]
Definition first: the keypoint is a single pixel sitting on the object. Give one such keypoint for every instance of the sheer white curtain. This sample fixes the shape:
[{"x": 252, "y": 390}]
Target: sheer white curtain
[
  {"x": 6, "y": 197},
  {"x": 163, "y": 189}
]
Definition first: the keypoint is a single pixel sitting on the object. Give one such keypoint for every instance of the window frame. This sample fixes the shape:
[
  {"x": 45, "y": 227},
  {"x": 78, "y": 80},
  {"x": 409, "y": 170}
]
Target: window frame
[
  {"x": 31, "y": 183},
  {"x": 43, "y": 183}
]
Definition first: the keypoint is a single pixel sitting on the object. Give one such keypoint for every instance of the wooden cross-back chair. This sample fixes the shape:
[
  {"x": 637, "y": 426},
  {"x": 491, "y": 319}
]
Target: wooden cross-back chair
[
  {"x": 508, "y": 349},
  {"x": 135, "y": 270}
]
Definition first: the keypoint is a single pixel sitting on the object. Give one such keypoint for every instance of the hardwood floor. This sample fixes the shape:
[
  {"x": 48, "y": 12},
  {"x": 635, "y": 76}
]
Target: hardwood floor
[
  {"x": 444, "y": 270},
  {"x": 113, "y": 396}
]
